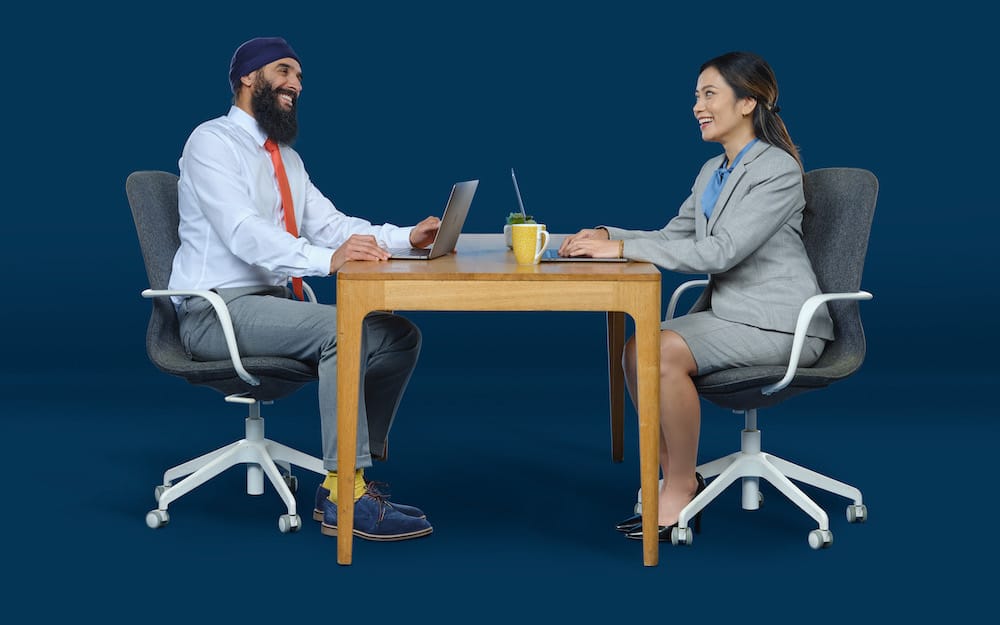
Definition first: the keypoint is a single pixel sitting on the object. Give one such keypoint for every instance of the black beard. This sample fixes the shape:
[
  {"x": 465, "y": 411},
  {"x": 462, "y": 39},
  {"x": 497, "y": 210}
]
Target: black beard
[{"x": 279, "y": 124}]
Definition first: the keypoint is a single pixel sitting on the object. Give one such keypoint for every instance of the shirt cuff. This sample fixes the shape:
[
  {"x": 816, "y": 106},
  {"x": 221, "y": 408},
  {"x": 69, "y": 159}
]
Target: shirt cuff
[
  {"x": 398, "y": 237},
  {"x": 319, "y": 260}
]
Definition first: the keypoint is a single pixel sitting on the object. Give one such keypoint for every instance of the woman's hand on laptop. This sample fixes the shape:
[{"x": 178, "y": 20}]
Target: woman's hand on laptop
[
  {"x": 589, "y": 242},
  {"x": 357, "y": 247},
  {"x": 424, "y": 232}
]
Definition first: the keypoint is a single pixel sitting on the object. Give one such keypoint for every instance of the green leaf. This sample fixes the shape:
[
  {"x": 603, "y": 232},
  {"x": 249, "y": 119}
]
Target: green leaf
[{"x": 517, "y": 218}]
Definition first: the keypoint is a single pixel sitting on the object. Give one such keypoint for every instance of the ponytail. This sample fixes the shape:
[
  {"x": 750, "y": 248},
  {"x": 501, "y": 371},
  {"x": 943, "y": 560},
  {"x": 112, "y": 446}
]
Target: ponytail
[{"x": 769, "y": 127}]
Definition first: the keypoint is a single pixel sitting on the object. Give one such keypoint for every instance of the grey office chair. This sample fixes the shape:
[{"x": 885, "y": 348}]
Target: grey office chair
[
  {"x": 840, "y": 205},
  {"x": 253, "y": 381}
]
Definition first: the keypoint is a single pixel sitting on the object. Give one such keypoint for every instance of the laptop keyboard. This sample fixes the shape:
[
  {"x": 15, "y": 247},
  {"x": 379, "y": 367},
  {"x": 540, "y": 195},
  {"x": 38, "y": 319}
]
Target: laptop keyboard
[{"x": 408, "y": 252}]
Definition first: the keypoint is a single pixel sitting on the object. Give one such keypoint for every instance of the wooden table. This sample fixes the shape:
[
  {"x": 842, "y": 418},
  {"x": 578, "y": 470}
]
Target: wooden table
[{"x": 468, "y": 280}]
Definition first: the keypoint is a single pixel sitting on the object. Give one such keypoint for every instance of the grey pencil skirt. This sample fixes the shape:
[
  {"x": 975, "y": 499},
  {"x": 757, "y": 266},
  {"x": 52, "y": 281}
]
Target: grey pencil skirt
[{"x": 720, "y": 344}]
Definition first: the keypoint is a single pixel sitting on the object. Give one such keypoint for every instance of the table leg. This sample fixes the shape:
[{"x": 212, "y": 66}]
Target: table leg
[
  {"x": 647, "y": 335},
  {"x": 616, "y": 383},
  {"x": 350, "y": 317}
]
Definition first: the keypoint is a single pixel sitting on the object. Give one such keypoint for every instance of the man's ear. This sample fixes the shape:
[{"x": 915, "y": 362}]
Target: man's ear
[{"x": 248, "y": 79}]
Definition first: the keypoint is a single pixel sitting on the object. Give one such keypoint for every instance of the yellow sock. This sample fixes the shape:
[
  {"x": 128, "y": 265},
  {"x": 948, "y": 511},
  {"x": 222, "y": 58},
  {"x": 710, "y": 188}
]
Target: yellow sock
[{"x": 330, "y": 483}]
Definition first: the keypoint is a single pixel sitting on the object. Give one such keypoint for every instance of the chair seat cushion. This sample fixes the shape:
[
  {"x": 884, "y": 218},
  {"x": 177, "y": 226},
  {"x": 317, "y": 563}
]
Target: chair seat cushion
[
  {"x": 739, "y": 388},
  {"x": 279, "y": 377}
]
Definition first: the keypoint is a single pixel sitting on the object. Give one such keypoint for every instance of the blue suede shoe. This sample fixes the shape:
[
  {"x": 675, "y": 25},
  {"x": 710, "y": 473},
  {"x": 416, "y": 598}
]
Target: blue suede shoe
[
  {"x": 376, "y": 519},
  {"x": 324, "y": 494}
]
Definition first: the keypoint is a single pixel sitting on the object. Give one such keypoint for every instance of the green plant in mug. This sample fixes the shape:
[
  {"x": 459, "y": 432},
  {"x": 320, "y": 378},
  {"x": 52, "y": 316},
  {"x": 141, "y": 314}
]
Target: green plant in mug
[{"x": 516, "y": 217}]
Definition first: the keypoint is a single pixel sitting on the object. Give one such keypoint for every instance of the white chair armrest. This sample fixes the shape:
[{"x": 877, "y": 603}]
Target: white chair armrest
[
  {"x": 675, "y": 297},
  {"x": 224, "y": 319},
  {"x": 310, "y": 294},
  {"x": 806, "y": 313}
]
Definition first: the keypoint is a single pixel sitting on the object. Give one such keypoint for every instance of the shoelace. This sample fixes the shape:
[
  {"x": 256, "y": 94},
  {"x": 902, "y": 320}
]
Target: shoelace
[
  {"x": 372, "y": 490},
  {"x": 377, "y": 489}
]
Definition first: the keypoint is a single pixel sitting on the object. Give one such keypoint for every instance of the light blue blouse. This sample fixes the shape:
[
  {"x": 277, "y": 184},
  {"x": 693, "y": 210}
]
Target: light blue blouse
[{"x": 711, "y": 194}]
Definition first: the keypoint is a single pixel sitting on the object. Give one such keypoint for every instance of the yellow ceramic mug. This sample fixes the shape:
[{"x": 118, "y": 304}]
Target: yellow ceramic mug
[{"x": 529, "y": 242}]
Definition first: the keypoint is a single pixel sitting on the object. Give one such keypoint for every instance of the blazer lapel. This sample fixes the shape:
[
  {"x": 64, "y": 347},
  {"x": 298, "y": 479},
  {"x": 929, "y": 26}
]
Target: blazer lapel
[
  {"x": 700, "y": 221},
  {"x": 725, "y": 194},
  {"x": 734, "y": 179}
]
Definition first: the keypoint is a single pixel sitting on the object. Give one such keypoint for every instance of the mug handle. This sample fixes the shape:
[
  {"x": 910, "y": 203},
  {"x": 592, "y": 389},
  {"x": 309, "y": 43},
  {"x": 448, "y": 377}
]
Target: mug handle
[{"x": 544, "y": 235}]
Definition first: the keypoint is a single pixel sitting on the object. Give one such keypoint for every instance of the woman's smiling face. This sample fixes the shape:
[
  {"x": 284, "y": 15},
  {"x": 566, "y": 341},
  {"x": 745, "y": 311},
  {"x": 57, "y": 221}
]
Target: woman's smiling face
[{"x": 722, "y": 116}]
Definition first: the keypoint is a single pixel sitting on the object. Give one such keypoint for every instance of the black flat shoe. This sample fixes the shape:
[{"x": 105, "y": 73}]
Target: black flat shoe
[
  {"x": 633, "y": 524},
  {"x": 663, "y": 532},
  {"x": 629, "y": 524}
]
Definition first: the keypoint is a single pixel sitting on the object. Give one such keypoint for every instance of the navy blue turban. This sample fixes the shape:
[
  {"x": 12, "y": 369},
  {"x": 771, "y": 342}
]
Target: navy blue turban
[{"x": 255, "y": 54}]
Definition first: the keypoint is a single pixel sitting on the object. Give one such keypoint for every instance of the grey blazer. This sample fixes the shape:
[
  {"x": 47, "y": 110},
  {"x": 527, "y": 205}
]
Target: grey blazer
[{"x": 751, "y": 247}]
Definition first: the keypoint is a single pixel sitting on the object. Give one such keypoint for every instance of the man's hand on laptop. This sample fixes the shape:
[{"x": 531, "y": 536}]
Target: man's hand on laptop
[
  {"x": 424, "y": 232},
  {"x": 357, "y": 247}
]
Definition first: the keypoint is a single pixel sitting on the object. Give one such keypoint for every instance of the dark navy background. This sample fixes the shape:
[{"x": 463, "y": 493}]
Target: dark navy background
[{"x": 592, "y": 106}]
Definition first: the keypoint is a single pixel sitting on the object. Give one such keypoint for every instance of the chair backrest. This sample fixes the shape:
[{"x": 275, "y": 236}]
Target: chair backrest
[
  {"x": 840, "y": 206},
  {"x": 152, "y": 195},
  {"x": 836, "y": 225}
]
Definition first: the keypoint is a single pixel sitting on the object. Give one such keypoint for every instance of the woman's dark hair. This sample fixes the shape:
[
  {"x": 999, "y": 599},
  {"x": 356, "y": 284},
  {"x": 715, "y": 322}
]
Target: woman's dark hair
[{"x": 751, "y": 77}]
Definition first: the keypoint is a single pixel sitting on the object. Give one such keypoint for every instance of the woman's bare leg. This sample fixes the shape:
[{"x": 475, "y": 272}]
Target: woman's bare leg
[{"x": 680, "y": 421}]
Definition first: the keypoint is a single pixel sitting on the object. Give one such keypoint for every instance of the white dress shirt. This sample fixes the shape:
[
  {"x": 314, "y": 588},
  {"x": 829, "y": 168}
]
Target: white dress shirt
[{"x": 230, "y": 226}]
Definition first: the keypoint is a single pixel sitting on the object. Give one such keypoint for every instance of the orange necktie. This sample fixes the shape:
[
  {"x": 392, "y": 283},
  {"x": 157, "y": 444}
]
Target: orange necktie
[{"x": 287, "y": 211}]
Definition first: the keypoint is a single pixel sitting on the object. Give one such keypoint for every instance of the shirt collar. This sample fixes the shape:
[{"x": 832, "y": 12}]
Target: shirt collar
[{"x": 246, "y": 121}]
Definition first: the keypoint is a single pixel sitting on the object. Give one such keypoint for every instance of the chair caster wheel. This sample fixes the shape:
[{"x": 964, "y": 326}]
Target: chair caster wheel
[
  {"x": 681, "y": 536},
  {"x": 289, "y": 523},
  {"x": 292, "y": 482},
  {"x": 157, "y": 518},
  {"x": 159, "y": 490},
  {"x": 857, "y": 513},
  {"x": 820, "y": 539}
]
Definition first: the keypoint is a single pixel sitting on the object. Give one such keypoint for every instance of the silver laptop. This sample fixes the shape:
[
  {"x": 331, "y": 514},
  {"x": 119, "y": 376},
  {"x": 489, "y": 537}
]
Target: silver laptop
[
  {"x": 455, "y": 212},
  {"x": 552, "y": 256}
]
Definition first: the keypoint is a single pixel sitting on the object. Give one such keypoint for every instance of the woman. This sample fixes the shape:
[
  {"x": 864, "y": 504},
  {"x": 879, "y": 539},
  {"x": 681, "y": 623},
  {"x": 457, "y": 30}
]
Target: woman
[{"x": 742, "y": 225}]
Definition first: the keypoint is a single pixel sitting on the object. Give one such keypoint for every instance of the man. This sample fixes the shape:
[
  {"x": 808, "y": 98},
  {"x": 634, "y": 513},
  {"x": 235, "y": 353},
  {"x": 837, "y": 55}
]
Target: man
[{"x": 240, "y": 238}]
